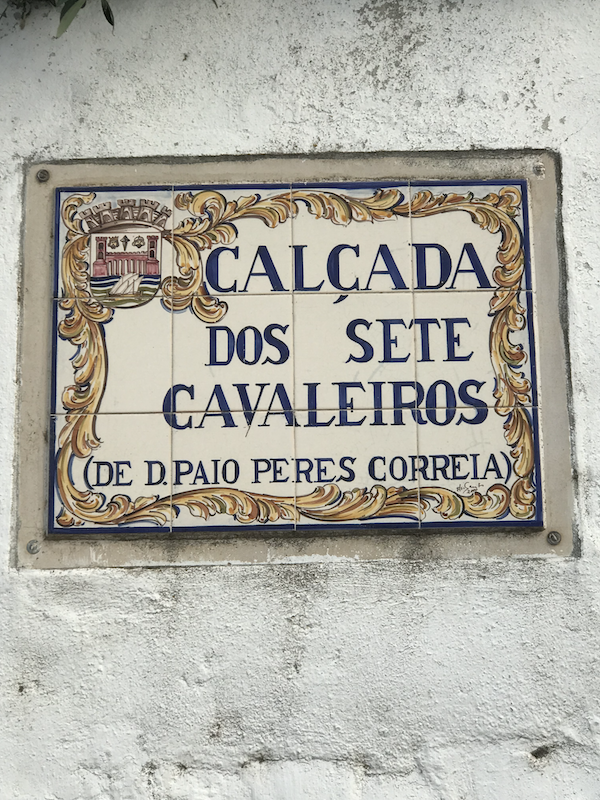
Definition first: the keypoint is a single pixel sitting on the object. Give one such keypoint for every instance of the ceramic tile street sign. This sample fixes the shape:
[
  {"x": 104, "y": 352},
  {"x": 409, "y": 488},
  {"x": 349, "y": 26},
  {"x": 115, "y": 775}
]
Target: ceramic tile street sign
[{"x": 302, "y": 357}]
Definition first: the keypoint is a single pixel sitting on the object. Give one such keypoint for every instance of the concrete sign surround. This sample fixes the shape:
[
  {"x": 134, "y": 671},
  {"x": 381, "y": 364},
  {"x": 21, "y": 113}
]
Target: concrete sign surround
[{"x": 266, "y": 357}]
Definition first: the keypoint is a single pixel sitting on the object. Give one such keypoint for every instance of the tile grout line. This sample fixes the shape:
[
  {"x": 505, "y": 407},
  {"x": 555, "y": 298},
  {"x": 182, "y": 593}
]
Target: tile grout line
[
  {"x": 293, "y": 299},
  {"x": 415, "y": 368},
  {"x": 171, "y": 365},
  {"x": 358, "y": 409}
]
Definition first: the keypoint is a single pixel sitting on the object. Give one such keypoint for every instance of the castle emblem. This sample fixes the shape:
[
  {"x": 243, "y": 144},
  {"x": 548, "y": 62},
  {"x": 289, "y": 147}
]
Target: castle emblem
[{"x": 125, "y": 250}]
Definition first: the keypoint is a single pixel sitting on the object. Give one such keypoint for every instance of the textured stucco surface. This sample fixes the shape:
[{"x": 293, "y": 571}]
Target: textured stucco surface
[{"x": 421, "y": 681}]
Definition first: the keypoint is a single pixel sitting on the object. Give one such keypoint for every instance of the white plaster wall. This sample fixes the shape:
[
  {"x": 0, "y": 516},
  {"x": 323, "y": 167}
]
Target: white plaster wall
[{"x": 372, "y": 681}]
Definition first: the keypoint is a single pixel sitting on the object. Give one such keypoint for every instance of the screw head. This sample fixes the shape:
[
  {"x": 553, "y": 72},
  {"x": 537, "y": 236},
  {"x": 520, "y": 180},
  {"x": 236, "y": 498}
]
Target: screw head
[
  {"x": 539, "y": 169},
  {"x": 553, "y": 537},
  {"x": 43, "y": 175},
  {"x": 33, "y": 547}
]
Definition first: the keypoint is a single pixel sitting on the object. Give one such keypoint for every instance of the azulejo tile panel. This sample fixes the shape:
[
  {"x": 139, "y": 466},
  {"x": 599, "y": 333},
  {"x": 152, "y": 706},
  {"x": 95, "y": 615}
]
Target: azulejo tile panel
[
  {"x": 453, "y": 369},
  {"x": 364, "y": 350},
  {"x": 135, "y": 354},
  {"x": 237, "y": 362},
  {"x": 234, "y": 470},
  {"x": 110, "y": 470},
  {"x": 294, "y": 357},
  {"x": 473, "y": 470},
  {"x": 469, "y": 237},
  {"x": 354, "y": 465},
  {"x": 347, "y": 239},
  {"x": 228, "y": 227},
  {"x": 114, "y": 243}
]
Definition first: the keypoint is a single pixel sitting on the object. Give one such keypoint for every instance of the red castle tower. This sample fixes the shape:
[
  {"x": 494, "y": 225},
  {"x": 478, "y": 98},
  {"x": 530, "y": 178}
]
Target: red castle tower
[{"x": 121, "y": 262}]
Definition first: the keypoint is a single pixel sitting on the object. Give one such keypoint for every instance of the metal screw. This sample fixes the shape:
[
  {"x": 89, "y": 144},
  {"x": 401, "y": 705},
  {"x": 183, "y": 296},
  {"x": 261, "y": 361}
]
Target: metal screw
[
  {"x": 554, "y": 537},
  {"x": 43, "y": 175},
  {"x": 539, "y": 170},
  {"x": 33, "y": 547}
]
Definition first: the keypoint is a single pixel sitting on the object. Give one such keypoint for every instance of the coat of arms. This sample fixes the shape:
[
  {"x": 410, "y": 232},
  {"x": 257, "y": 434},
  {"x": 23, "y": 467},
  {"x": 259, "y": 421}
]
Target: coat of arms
[{"x": 125, "y": 250}]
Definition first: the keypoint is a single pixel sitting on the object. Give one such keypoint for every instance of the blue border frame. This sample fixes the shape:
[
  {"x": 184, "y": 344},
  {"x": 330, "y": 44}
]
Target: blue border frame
[{"x": 265, "y": 529}]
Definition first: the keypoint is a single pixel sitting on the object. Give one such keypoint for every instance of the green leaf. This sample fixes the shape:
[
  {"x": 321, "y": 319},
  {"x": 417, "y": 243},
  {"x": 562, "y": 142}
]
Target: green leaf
[
  {"x": 67, "y": 5},
  {"x": 108, "y": 13},
  {"x": 69, "y": 11}
]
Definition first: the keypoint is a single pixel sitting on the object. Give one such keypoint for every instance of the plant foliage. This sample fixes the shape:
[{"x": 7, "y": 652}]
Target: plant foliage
[{"x": 70, "y": 9}]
